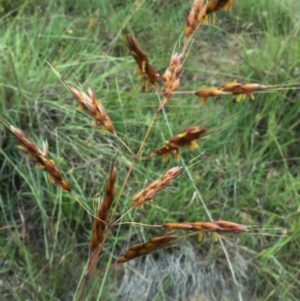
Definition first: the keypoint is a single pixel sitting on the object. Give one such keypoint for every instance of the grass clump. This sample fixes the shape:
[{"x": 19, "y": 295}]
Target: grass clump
[{"x": 245, "y": 170}]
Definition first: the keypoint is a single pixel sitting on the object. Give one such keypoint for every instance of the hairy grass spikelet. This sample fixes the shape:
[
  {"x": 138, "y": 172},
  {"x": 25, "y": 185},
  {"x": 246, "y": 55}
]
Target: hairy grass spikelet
[
  {"x": 231, "y": 227},
  {"x": 210, "y": 92},
  {"x": 102, "y": 214},
  {"x": 153, "y": 244},
  {"x": 93, "y": 107},
  {"x": 187, "y": 138},
  {"x": 144, "y": 68},
  {"x": 171, "y": 78},
  {"x": 242, "y": 90},
  {"x": 207, "y": 227},
  {"x": 41, "y": 158},
  {"x": 215, "y": 5},
  {"x": 194, "y": 17},
  {"x": 149, "y": 192}
]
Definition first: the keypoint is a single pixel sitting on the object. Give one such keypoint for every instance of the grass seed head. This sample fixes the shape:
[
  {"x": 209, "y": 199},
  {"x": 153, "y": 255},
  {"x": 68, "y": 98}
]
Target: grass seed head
[
  {"x": 210, "y": 92},
  {"x": 26, "y": 146},
  {"x": 242, "y": 90},
  {"x": 177, "y": 226},
  {"x": 194, "y": 17},
  {"x": 54, "y": 175},
  {"x": 231, "y": 86},
  {"x": 187, "y": 138},
  {"x": 102, "y": 214},
  {"x": 93, "y": 107},
  {"x": 207, "y": 227},
  {"x": 214, "y": 5},
  {"x": 153, "y": 244},
  {"x": 171, "y": 78},
  {"x": 41, "y": 158},
  {"x": 150, "y": 191},
  {"x": 144, "y": 68},
  {"x": 231, "y": 227}
]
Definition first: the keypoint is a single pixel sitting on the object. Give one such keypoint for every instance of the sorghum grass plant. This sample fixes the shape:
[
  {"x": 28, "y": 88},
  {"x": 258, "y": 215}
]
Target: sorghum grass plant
[{"x": 132, "y": 146}]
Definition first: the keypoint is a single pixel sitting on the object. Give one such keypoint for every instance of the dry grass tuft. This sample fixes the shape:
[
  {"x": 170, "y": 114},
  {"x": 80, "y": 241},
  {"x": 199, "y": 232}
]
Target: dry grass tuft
[{"x": 186, "y": 272}]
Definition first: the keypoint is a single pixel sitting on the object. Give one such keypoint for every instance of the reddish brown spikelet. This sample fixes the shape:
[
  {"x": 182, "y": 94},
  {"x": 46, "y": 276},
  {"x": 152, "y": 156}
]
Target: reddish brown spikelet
[
  {"x": 242, "y": 90},
  {"x": 210, "y": 92},
  {"x": 26, "y": 146},
  {"x": 219, "y": 226},
  {"x": 205, "y": 226},
  {"x": 187, "y": 138},
  {"x": 41, "y": 157},
  {"x": 196, "y": 226},
  {"x": 102, "y": 214},
  {"x": 214, "y": 5},
  {"x": 94, "y": 108},
  {"x": 101, "y": 118},
  {"x": 177, "y": 226},
  {"x": 231, "y": 87},
  {"x": 251, "y": 88},
  {"x": 145, "y": 69},
  {"x": 54, "y": 175},
  {"x": 171, "y": 78},
  {"x": 231, "y": 227},
  {"x": 149, "y": 192},
  {"x": 146, "y": 248},
  {"x": 194, "y": 17}
]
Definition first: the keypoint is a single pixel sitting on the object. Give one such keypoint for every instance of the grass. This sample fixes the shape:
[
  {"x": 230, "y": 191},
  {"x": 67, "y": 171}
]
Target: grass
[{"x": 246, "y": 169}]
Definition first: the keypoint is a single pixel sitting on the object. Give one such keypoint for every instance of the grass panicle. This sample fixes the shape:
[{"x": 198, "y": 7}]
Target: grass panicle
[{"x": 114, "y": 211}]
